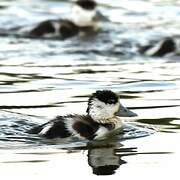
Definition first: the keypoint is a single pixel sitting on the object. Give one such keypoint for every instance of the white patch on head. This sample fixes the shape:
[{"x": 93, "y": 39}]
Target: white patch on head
[
  {"x": 83, "y": 17},
  {"x": 46, "y": 129},
  {"x": 101, "y": 112}
]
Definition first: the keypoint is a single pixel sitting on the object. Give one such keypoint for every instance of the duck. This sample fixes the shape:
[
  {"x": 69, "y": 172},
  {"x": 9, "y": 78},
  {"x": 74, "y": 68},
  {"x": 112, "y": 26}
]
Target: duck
[
  {"x": 83, "y": 20},
  {"x": 161, "y": 48},
  {"x": 101, "y": 119}
]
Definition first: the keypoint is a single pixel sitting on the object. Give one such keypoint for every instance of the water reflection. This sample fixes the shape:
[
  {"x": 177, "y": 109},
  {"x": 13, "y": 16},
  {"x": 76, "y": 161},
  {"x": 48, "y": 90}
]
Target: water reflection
[
  {"x": 106, "y": 157},
  {"x": 104, "y": 160}
]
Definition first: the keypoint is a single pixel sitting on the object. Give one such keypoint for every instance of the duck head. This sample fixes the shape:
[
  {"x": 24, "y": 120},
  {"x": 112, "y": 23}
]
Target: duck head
[
  {"x": 84, "y": 13},
  {"x": 105, "y": 105}
]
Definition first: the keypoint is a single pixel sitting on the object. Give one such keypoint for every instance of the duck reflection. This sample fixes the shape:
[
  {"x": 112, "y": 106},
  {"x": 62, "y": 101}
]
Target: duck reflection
[{"x": 106, "y": 160}]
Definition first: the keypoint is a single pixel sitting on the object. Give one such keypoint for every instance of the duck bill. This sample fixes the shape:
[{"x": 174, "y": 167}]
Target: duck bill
[
  {"x": 124, "y": 112},
  {"x": 100, "y": 17}
]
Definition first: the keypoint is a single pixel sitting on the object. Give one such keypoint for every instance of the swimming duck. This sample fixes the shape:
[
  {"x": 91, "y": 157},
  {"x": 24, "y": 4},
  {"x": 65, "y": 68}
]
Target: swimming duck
[
  {"x": 84, "y": 19},
  {"x": 160, "y": 48},
  {"x": 101, "y": 119}
]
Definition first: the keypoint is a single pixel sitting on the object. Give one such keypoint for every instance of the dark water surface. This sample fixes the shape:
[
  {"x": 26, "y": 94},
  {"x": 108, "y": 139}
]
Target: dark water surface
[{"x": 42, "y": 78}]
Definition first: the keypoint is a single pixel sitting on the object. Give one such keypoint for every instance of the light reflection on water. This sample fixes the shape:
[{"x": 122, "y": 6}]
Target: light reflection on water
[{"x": 40, "y": 79}]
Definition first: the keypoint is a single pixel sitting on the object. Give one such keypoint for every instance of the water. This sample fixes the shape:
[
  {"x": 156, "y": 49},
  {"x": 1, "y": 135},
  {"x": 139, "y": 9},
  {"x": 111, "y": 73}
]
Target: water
[{"x": 40, "y": 79}]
